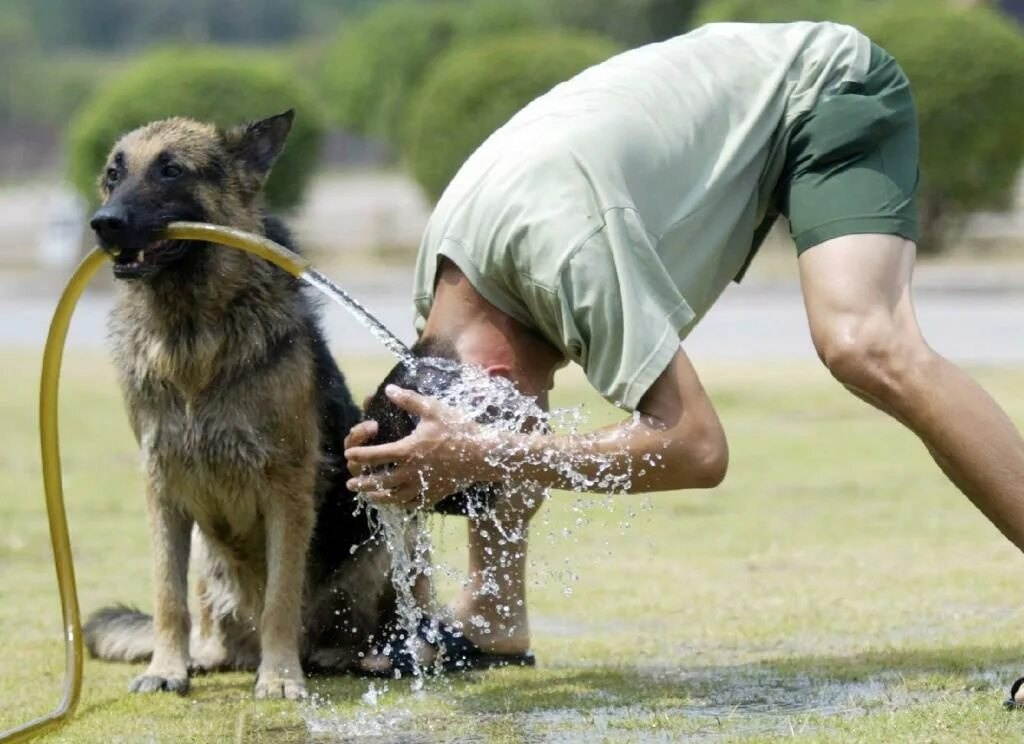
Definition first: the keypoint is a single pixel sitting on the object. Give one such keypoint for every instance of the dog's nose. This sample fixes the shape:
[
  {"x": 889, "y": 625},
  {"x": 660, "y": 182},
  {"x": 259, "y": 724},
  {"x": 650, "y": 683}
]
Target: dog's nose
[{"x": 110, "y": 222}]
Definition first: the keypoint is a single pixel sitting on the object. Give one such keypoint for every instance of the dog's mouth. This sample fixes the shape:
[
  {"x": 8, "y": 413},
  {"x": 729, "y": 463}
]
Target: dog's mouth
[{"x": 134, "y": 263}]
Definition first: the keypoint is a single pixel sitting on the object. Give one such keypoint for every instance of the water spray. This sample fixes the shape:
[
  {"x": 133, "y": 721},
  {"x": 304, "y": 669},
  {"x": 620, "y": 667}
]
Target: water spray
[{"x": 53, "y": 354}]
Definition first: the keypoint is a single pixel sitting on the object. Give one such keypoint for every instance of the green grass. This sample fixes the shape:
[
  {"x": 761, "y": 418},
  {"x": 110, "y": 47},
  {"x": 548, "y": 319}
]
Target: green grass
[{"x": 835, "y": 588}]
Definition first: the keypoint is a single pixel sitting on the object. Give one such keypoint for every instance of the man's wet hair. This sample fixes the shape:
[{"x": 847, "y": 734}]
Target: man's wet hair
[
  {"x": 435, "y": 369},
  {"x": 423, "y": 376}
]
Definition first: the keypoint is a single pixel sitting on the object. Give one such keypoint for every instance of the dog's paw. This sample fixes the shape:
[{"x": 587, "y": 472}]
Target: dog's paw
[
  {"x": 276, "y": 687},
  {"x": 159, "y": 683},
  {"x": 209, "y": 660},
  {"x": 333, "y": 660}
]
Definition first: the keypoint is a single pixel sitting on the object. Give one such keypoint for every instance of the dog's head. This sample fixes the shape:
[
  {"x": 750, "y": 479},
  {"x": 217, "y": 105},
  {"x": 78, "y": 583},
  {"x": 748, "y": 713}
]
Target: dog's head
[{"x": 179, "y": 169}]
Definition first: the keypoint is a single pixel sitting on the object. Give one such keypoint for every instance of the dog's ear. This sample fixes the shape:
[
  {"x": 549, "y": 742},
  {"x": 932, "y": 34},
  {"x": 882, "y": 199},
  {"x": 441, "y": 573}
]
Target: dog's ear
[{"x": 257, "y": 144}]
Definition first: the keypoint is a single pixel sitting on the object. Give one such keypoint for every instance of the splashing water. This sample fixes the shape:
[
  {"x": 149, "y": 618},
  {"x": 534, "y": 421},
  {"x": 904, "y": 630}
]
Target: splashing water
[
  {"x": 409, "y": 546},
  {"x": 497, "y": 403}
]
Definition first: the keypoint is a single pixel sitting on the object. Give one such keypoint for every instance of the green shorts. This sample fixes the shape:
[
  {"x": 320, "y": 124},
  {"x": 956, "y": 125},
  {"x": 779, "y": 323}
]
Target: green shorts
[{"x": 852, "y": 162}]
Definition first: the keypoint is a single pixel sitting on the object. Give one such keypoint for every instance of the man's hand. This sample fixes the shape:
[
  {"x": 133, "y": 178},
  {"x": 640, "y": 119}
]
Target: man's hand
[
  {"x": 675, "y": 442},
  {"x": 441, "y": 456}
]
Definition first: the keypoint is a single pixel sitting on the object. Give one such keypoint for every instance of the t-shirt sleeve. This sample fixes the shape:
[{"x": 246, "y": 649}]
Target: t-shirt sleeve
[{"x": 620, "y": 315}]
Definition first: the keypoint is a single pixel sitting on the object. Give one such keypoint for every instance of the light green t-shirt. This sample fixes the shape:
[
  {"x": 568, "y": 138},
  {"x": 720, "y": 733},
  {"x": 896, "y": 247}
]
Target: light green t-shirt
[{"x": 611, "y": 212}]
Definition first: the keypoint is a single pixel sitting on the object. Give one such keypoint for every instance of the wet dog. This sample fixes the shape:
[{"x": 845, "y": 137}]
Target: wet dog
[{"x": 240, "y": 412}]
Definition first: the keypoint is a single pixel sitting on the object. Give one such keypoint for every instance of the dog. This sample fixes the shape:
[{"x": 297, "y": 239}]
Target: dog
[{"x": 240, "y": 412}]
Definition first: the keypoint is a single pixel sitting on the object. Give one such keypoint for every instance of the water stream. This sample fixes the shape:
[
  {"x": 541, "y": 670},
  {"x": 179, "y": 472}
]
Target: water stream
[{"x": 381, "y": 332}]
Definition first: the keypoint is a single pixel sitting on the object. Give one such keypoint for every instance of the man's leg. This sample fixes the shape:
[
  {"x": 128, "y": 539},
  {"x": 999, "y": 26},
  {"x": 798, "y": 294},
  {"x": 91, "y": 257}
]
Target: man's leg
[
  {"x": 492, "y": 607},
  {"x": 491, "y": 610},
  {"x": 857, "y": 294}
]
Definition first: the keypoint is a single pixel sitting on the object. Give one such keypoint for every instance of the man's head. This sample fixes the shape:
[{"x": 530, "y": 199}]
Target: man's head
[
  {"x": 473, "y": 356},
  {"x": 180, "y": 169},
  {"x": 486, "y": 337},
  {"x": 437, "y": 371}
]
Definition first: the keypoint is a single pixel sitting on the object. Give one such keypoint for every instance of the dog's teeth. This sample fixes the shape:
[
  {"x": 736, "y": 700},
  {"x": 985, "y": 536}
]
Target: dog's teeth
[{"x": 142, "y": 256}]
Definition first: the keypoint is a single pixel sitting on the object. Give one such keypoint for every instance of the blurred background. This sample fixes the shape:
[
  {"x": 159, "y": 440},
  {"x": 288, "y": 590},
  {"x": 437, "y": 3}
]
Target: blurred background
[{"x": 392, "y": 95}]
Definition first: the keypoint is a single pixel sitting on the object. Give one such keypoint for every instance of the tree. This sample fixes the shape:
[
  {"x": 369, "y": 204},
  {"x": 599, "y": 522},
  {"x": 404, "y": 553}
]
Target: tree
[
  {"x": 966, "y": 68},
  {"x": 474, "y": 89},
  {"x": 629, "y": 22},
  {"x": 379, "y": 60},
  {"x": 210, "y": 85},
  {"x": 779, "y": 11}
]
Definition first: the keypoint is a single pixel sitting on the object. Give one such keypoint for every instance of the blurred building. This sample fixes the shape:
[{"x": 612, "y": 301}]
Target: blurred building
[{"x": 1013, "y": 8}]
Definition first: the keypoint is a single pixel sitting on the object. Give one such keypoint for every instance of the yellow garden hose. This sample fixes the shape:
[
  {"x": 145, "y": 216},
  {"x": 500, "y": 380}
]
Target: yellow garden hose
[{"x": 52, "y": 355}]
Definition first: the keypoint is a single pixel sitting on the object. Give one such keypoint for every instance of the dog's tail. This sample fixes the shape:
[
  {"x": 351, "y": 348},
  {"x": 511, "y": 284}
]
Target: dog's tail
[{"x": 119, "y": 633}]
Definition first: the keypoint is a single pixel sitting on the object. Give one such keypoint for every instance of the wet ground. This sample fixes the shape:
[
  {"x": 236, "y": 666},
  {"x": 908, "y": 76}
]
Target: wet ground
[{"x": 721, "y": 703}]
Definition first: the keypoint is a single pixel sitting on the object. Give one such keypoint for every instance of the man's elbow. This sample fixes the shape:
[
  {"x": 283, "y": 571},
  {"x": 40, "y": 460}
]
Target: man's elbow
[
  {"x": 712, "y": 460},
  {"x": 703, "y": 459},
  {"x": 714, "y": 463}
]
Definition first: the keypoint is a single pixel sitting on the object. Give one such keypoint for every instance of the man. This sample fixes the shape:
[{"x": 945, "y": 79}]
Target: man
[{"x": 604, "y": 219}]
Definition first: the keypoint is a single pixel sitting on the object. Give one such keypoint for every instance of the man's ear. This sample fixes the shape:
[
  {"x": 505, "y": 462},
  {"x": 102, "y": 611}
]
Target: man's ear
[
  {"x": 498, "y": 370},
  {"x": 257, "y": 144}
]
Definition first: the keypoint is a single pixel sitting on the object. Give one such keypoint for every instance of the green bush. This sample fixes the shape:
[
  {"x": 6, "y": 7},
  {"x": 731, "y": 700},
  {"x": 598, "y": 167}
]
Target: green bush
[
  {"x": 779, "y": 11},
  {"x": 966, "y": 68},
  {"x": 473, "y": 90},
  {"x": 377, "y": 62},
  {"x": 221, "y": 87},
  {"x": 628, "y": 22},
  {"x": 49, "y": 91}
]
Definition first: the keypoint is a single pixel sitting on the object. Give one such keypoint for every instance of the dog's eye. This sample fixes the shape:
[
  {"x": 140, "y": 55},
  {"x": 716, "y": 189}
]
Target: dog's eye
[
  {"x": 112, "y": 176},
  {"x": 171, "y": 171}
]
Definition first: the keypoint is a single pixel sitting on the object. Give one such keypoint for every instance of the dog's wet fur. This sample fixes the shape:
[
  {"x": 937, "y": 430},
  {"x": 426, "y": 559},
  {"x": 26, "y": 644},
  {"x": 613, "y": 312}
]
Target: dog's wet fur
[{"x": 240, "y": 413}]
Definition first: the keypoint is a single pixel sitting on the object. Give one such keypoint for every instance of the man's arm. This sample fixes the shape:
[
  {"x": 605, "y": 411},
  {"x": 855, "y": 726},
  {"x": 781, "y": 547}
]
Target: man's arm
[{"x": 674, "y": 441}]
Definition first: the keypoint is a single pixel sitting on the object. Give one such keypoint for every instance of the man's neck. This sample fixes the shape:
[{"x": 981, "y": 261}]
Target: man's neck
[{"x": 487, "y": 337}]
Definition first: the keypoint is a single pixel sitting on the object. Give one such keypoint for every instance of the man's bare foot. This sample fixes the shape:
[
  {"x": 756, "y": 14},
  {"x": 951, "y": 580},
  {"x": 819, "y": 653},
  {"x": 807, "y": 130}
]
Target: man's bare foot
[{"x": 458, "y": 649}]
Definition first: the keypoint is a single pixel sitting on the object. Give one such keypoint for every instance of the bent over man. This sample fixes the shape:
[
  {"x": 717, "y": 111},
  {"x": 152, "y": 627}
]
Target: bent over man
[{"x": 602, "y": 222}]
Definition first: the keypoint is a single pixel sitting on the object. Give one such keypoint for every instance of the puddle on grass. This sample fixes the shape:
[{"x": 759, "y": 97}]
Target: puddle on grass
[
  {"x": 364, "y": 726},
  {"x": 773, "y": 695},
  {"x": 369, "y": 723},
  {"x": 747, "y": 705},
  {"x": 723, "y": 704}
]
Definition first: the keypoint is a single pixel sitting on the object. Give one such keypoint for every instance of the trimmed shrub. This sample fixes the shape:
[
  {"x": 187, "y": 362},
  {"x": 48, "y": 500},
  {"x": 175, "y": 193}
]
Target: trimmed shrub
[
  {"x": 377, "y": 62},
  {"x": 475, "y": 89},
  {"x": 48, "y": 92},
  {"x": 780, "y": 11},
  {"x": 966, "y": 68},
  {"x": 222, "y": 87},
  {"x": 627, "y": 22}
]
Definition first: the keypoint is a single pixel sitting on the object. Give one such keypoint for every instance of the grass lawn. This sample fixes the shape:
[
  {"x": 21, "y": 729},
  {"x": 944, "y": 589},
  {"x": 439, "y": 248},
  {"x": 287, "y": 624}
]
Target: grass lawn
[{"x": 835, "y": 588}]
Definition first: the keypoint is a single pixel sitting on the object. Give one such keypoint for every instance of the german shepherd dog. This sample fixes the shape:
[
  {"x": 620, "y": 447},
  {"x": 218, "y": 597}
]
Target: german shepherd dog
[{"x": 240, "y": 413}]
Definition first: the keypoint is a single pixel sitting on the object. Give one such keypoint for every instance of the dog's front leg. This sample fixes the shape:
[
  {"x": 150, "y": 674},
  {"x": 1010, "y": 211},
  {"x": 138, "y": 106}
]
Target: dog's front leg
[
  {"x": 171, "y": 529},
  {"x": 289, "y": 524}
]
